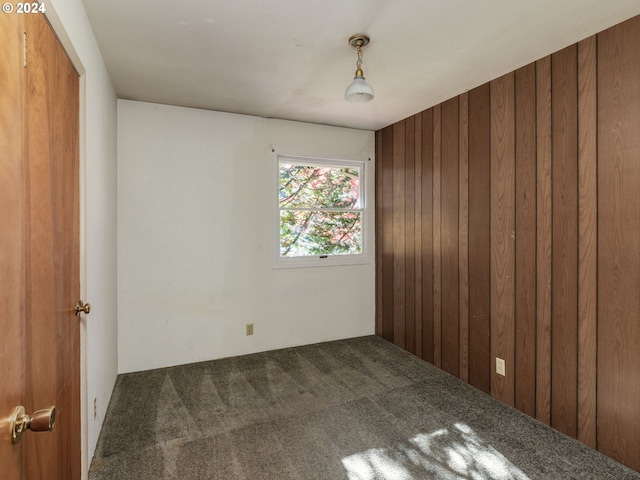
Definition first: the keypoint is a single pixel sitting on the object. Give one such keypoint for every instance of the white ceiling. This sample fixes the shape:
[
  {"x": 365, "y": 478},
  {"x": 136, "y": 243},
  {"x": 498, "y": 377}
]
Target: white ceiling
[{"x": 290, "y": 59}]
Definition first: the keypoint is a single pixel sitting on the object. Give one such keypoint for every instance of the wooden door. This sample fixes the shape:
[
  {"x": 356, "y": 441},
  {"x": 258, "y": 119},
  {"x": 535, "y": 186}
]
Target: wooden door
[{"x": 40, "y": 248}]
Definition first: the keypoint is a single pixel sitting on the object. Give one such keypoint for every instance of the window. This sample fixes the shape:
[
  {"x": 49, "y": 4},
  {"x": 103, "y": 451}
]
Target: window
[{"x": 321, "y": 211}]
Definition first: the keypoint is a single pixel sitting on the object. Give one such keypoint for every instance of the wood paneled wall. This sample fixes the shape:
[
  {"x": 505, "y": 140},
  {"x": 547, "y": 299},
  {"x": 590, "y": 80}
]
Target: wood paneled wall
[{"x": 508, "y": 226}]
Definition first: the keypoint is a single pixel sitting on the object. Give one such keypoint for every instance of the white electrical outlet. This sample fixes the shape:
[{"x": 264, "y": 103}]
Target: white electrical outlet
[
  {"x": 500, "y": 367},
  {"x": 249, "y": 328}
]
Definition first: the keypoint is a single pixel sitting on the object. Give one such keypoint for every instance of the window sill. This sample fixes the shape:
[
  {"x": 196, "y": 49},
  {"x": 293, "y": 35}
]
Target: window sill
[{"x": 320, "y": 261}]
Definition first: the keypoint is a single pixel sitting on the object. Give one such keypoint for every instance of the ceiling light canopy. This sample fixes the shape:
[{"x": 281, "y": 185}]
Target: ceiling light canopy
[{"x": 359, "y": 90}]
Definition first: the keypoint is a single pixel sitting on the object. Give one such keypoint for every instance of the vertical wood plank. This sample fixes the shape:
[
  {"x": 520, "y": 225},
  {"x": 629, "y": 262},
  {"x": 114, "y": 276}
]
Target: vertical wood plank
[
  {"x": 437, "y": 222},
  {"x": 379, "y": 232},
  {"x": 410, "y": 248},
  {"x": 480, "y": 365},
  {"x": 618, "y": 378},
  {"x": 587, "y": 240},
  {"x": 525, "y": 267},
  {"x": 543, "y": 289},
  {"x": 450, "y": 185},
  {"x": 418, "y": 289},
  {"x": 502, "y": 234},
  {"x": 564, "y": 299},
  {"x": 463, "y": 238},
  {"x": 427, "y": 222},
  {"x": 399, "y": 247},
  {"x": 386, "y": 171}
]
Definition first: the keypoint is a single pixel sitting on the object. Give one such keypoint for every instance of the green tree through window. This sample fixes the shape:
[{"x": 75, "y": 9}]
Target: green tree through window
[{"x": 320, "y": 209}]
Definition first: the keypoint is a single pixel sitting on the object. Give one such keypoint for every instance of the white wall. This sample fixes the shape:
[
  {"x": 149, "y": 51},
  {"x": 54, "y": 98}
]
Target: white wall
[
  {"x": 98, "y": 214},
  {"x": 195, "y": 230}
]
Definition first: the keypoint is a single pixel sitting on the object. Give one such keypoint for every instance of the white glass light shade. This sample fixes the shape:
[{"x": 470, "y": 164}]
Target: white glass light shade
[{"x": 358, "y": 91}]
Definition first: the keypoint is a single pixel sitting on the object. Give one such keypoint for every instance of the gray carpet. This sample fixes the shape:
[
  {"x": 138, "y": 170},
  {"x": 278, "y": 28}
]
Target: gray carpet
[{"x": 359, "y": 409}]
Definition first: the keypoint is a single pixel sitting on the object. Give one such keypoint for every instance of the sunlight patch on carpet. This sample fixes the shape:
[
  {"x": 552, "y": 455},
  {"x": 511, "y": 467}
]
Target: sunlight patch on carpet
[{"x": 447, "y": 454}]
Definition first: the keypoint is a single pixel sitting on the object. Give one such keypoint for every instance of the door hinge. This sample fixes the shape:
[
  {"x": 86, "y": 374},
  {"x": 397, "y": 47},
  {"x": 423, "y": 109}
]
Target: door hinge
[{"x": 24, "y": 50}]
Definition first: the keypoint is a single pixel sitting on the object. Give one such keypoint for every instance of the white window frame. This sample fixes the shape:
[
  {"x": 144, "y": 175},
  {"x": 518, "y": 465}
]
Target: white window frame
[{"x": 322, "y": 260}]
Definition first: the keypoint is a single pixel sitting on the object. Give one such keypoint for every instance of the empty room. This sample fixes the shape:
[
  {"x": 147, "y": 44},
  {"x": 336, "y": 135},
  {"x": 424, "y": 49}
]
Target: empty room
[{"x": 360, "y": 240}]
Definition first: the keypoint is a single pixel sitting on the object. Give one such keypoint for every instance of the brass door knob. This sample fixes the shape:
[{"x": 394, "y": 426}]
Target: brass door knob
[
  {"x": 41, "y": 421},
  {"x": 82, "y": 307}
]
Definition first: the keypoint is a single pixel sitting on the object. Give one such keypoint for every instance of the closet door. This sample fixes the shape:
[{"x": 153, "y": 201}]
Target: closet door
[{"x": 40, "y": 264}]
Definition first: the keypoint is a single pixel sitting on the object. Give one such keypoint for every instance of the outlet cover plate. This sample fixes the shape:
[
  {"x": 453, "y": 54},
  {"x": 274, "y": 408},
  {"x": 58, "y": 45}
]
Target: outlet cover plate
[{"x": 500, "y": 367}]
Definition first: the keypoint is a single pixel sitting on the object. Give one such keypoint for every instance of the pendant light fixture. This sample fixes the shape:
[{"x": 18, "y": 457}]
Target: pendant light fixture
[{"x": 359, "y": 90}]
